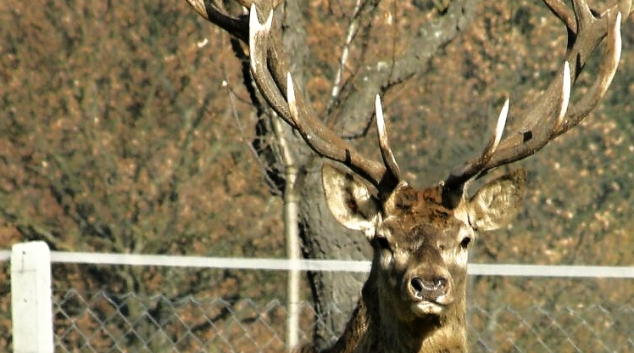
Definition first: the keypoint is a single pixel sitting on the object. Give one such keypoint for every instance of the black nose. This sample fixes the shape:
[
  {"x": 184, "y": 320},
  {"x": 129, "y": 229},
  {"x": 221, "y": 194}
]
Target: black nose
[{"x": 433, "y": 286}]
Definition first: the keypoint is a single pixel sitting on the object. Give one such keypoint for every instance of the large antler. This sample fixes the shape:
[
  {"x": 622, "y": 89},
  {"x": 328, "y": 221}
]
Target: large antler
[
  {"x": 552, "y": 115},
  {"x": 300, "y": 115},
  {"x": 271, "y": 74}
]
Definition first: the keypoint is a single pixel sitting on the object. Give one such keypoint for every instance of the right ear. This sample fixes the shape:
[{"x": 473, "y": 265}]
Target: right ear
[{"x": 349, "y": 200}]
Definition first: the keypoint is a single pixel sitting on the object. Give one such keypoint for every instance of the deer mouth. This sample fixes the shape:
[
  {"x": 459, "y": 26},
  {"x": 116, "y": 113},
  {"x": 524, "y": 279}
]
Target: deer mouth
[
  {"x": 431, "y": 307},
  {"x": 427, "y": 308},
  {"x": 429, "y": 296}
]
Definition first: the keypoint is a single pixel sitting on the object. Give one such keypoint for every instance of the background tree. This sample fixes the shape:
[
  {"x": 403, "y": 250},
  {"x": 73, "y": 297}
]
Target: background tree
[{"x": 380, "y": 63}]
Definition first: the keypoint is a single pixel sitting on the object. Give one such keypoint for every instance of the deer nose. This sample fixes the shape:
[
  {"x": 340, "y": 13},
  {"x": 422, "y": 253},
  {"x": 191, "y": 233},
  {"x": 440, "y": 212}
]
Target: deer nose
[
  {"x": 420, "y": 285},
  {"x": 435, "y": 288}
]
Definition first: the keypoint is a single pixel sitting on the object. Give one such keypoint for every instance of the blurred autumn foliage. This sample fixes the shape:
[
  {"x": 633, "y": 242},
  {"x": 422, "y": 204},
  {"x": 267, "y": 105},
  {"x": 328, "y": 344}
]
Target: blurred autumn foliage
[
  {"x": 125, "y": 127},
  {"x": 117, "y": 135}
]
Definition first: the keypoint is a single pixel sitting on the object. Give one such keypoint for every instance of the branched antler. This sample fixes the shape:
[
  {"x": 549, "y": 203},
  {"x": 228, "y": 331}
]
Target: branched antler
[
  {"x": 300, "y": 115},
  {"x": 552, "y": 114}
]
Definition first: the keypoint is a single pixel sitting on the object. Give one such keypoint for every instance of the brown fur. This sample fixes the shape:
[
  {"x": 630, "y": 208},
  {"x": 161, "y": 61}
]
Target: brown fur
[
  {"x": 419, "y": 227},
  {"x": 414, "y": 298}
]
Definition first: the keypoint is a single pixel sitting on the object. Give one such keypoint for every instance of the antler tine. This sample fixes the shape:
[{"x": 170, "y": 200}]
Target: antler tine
[
  {"x": 292, "y": 102},
  {"x": 582, "y": 11},
  {"x": 551, "y": 115},
  {"x": 258, "y": 47},
  {"x": 297, "y": 113},
  {"x": 607, "y": 71},
  {"x": 462, "y": 174},
  {"x": 559, "y": 8},
  {"x": 386, "y": 150},
  {"x": 209, "y": 10},
  {"x": 566, "y": 88}
]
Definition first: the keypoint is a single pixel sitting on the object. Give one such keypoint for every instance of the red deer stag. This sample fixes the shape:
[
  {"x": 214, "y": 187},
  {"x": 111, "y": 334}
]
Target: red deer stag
[{"x": 415, "y": 297}]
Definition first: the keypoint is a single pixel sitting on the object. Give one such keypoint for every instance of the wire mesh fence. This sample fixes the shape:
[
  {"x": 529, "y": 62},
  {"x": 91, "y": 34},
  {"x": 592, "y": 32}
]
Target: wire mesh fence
[
  {"x": 192, "y": 309},
  {"x": 103, "y": 322}
]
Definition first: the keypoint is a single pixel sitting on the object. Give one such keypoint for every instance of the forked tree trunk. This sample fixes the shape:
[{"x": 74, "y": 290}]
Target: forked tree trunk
[{"x": 334, "y": 293}]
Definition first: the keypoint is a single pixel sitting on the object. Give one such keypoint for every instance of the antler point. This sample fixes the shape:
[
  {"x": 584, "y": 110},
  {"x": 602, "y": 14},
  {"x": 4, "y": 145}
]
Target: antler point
[
  {"x": 290, "y": 97},
  {"x": 380, "y": 120},
  {"x": 269, "y": 21},
  {"x": 499, "y": 128}
]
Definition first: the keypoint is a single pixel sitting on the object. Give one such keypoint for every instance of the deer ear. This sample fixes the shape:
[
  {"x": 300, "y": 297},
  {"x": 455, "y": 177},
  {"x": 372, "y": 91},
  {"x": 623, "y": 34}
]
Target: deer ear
[
  {"x": 498, "y": 202},
  {"x": 349, "y": 200}
]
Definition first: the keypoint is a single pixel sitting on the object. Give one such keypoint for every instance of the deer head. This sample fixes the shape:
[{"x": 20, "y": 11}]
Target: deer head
[{"x": 414, "y": 299}]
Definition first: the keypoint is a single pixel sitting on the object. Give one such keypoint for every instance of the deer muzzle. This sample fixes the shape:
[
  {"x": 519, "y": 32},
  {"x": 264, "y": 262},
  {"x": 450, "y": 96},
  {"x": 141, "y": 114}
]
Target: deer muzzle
[{"x": 429, "y": 291}]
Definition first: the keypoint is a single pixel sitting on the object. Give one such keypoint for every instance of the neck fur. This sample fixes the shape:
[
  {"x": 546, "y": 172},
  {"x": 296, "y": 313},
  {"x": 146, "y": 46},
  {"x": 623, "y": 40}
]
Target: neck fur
[{"x": 370, "y": 331}]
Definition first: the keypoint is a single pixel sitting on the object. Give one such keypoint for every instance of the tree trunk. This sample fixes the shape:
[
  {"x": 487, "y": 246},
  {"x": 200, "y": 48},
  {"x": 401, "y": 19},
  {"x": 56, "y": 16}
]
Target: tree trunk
[{"x": 335, "y": 294}]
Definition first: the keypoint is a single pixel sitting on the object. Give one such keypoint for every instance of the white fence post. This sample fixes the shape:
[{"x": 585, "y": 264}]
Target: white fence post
[{"x": 32, "y": 309}]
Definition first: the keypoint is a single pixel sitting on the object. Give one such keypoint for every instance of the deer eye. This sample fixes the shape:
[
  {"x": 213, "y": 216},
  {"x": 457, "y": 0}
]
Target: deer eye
[{"x": 465, "y": 242}]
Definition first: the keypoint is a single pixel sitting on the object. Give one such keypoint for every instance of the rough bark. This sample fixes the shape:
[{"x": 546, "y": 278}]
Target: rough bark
[{"x": 335, "y": 293}]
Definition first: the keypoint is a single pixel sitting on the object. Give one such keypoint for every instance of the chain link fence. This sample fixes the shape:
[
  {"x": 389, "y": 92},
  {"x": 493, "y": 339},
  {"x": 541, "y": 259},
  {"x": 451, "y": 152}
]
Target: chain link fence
[
  {"x": 244, "y": 310},
  {"x": 102, "y": 322}
]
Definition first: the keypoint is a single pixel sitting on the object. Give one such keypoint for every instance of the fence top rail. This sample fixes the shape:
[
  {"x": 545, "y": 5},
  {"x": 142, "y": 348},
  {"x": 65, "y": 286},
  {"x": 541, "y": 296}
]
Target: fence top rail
[{"x": 323, "y": 265}]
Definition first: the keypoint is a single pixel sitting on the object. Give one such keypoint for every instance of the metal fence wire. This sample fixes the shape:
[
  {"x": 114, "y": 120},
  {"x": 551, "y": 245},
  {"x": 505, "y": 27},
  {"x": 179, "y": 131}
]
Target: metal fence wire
[{"x": 103, "y": 322}]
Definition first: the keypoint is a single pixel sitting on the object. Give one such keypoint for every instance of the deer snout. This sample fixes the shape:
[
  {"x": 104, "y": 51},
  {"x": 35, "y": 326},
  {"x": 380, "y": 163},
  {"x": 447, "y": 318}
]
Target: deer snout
[
  {"x": 431, "y": 286},
  {"x": 420, "y": 285}
]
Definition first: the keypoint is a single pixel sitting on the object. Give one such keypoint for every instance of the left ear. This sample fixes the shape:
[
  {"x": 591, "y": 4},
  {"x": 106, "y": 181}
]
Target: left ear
[{"x": 498, "y": 202}]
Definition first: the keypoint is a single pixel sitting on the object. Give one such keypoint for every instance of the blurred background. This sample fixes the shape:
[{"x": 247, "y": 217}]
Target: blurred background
[{"x": 128, "y": 127}]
